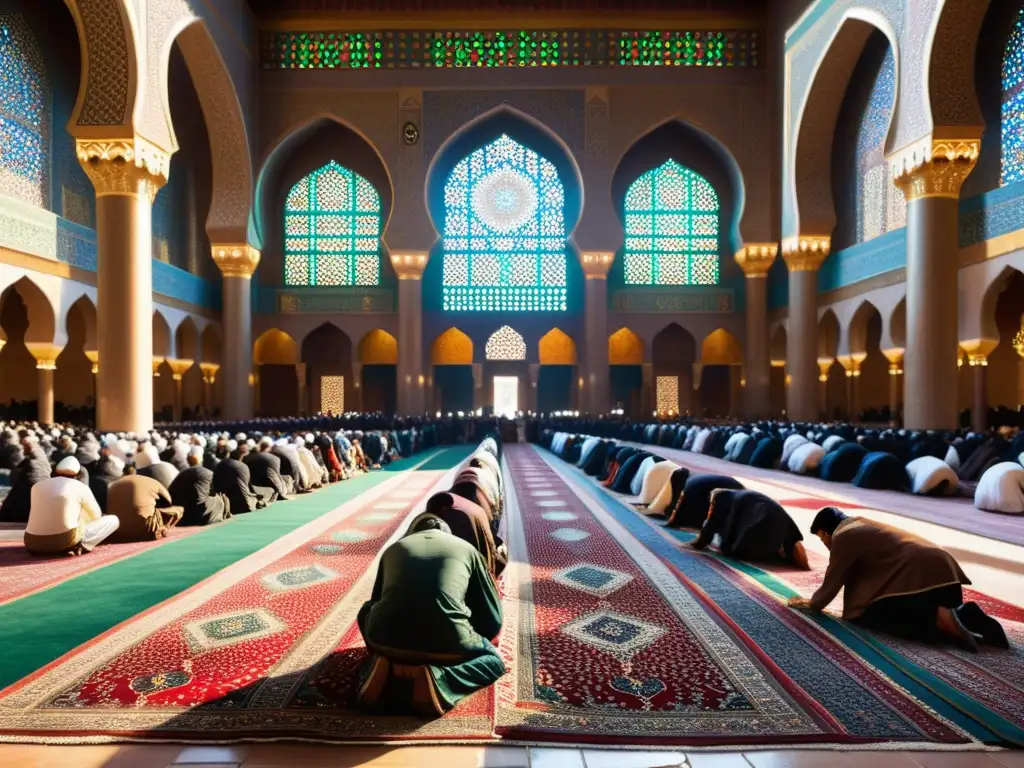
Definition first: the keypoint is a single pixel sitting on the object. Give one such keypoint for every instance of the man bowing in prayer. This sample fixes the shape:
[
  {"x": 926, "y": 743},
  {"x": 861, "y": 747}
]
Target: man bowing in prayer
[
  {"x": 430, "y": 622},
  {"x": 751, "y": 526},
  {"x": 897, "y": 583}
]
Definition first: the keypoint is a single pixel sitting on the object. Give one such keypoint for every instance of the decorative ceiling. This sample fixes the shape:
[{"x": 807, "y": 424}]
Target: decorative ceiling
[{"x": 272, "y": 8}]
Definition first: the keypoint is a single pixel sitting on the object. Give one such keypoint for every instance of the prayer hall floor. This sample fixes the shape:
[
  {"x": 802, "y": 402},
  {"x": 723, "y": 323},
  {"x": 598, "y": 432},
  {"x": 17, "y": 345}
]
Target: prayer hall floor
[{"x": 577, "y": 553}]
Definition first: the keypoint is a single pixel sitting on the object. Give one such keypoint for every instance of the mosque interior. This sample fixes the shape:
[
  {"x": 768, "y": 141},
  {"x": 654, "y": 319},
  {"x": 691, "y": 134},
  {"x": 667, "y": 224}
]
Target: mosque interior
[{"x": 571, "y": 234}]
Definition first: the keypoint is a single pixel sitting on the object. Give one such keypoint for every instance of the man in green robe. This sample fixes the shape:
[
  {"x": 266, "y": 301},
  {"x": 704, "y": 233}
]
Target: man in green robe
[{"x": 430, "y": 622}]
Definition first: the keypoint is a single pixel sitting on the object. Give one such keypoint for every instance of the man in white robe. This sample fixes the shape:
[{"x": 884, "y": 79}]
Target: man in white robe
[{"x": 65, "y": 516}]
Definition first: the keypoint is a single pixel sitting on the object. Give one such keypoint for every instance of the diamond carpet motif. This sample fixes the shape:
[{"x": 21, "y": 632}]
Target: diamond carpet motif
[
  {"x": 620, "y": 635},
  {"x": 298, "y": 578},
  {"x": 350, "y": 536},
  {"x": 232, "y": 628},
  {"x": 595, "y": 579}
]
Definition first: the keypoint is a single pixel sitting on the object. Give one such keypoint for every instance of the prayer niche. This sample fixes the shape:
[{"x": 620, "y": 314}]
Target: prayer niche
[
  {"x": 24, "y": 114},
  {"x": 672, "y": 227},
  {"x": 504, "y": 232},
  {"x": 332, "y": 224},
  {"x": 505, "y": 344},
  {"x": 1013, "y": 104}
]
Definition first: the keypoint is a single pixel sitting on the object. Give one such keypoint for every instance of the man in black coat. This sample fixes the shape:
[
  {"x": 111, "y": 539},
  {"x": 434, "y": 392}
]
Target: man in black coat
[
  {"x": 109, "y": 469},
  {"x": 192, "y": 490},
  {"x": 163, "y": 472},
  {"x": 265, "y": 470},
  {"x": 287, "y": 470},
  {"x": 233, "y": 479},
  {"x": 32, "y": 469}
]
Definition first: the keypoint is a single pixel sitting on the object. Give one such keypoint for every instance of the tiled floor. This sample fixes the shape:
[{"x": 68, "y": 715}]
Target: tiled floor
[{"x": 313, "y": 756}]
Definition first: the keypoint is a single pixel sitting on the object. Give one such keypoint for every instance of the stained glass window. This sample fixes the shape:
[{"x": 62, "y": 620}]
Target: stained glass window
[
  {"x": 332, "y": 230},
  {"x": 672, "y": 219},
  {"x": 505, "y": 344},
  {"x": 1013, "y": 104},
  {"x": 24, "y": 114},
  {"x": 504, "y": 232},
  {"x": 400, "y": 49}
]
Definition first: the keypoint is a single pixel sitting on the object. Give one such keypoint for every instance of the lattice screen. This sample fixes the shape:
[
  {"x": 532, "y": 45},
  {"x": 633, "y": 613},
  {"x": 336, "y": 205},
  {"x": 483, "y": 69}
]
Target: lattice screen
[
  {"x": 332, "y": 394},
  {"x": 668, "y": 394},
  {"x": 505, "y": 344}
]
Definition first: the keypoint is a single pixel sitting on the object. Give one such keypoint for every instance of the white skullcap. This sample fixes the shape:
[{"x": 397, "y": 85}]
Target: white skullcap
[
  {"x": 117, "y": 464},
  {"x": 266, "y": 440},
  {"x": 197, "y": 450},
  {"x": 309, "y": 437},
  {"x": 232, "y": 445},
  {"x": 240, "y": 437},
  {"x": 69, "y": 466},
  {"x": 54, "y": 433},
  {"x": 250, "y": 443}
]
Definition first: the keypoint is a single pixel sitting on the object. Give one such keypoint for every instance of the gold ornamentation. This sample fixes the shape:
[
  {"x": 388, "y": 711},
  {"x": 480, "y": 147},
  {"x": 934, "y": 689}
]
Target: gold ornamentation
[
  {"x": 755, "y": 259},
  {"x": 556, "y": 347},
  {"x": 378, "y": 347},
  {"x": 94, "y": 358},
  {"x": 935, "y": 169},
  {"x": 625, "y": 348},
  {"x": 179, "y": 366},
  {"x": 1018, "y": 342},
  {"x": 977, "y": 351},
  {"x": 236, "y": 260},
  {"x": 667, "y": 395},
  {"x": 721, "y": 348},
  {"x": 157, "y": 362},
  {"x": 124, "y": 166},
  {"x": 596, "y": 264},
  {"x": 806, "y": 253},
  {"x": 824, "y": 363},
  {"x": 45, "y": 354},
  {"x": 210, "y": 372},
  {"x": 452, "y": 347},
  {"x": 409, "y": 266}
]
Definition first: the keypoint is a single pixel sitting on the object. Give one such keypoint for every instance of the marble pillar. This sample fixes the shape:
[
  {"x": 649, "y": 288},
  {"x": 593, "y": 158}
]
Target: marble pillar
[
  {"x": 237, "y": 263},
  {"x": 46, "y": 363},
  {"x": 409, "y": 267},
  {"x": 596, "y": 398},
  {"x": 127, "y": 173},
  {"x": 755, "y": 259},
  {"x": 178, "y": 368},
  {"x": 803, "y": 256},
  {"x": 978, "y": 351},
  {"x": 931, "y": 178},
  {"x": 209, "y": 379}
]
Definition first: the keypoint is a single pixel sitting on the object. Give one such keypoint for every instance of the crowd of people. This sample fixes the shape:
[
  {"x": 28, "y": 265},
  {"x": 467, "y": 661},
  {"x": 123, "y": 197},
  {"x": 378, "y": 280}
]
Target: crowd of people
[
  {"x": 893, "y": 581},
  {"x": 74, "y": 489}
]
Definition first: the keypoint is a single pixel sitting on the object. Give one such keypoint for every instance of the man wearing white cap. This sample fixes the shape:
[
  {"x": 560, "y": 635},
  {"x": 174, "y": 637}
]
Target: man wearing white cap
[{"x": 65, "y": 516}]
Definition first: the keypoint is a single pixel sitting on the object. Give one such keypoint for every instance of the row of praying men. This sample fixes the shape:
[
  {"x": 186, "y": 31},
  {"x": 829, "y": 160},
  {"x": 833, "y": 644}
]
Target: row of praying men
[{"x": 893, "y": 581}]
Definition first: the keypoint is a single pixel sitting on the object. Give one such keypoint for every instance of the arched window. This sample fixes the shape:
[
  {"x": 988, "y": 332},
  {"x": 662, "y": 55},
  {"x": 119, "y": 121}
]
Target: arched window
[
  {"x": 1013, "y": 104},
  {"x": 24, "y": 114},
  {"x": 671, "y": 228},
  {"x": 505, "y": 344},
  {"x": 504, "y": 232},
  {"x": 332, "y": 229}
]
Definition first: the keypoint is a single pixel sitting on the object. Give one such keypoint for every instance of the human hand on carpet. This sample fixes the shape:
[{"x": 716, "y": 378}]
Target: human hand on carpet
[{"x": 799, "y": 602}]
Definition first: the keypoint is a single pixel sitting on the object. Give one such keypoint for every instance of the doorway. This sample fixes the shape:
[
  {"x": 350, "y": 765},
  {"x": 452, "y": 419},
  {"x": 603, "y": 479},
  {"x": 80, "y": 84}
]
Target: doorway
[{"x": 506, "y": 396}]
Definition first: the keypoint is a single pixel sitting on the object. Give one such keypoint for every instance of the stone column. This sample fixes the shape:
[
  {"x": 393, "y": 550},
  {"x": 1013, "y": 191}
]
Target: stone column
[
  {"x": 803, "y": 255},
  {"x": 127, "y": 173},
  {"x": 895, "y": 358},
  {"x": 409, "y": 267},
  {"x": 648, "y": 395},
  {"x": 237, "y": 263},
  {"x": 596, "y": 398},
  {"x": 300, "y": 376},
  {"x": 156, "y": 362},
  {"x": 755, "y": 259},
  {"x": 978, "y": 351},
  {"x": 94, "y": 358},
  {"x": 823, "y": 363},
  {"x": 46, "y": 363},
  {"x": 178, "y": 368},
  {"x": 209, "y": 379},
  {"x": 357, "y": 388},
  {"x": 257, "y": 392},
  {"x": 851, "y": 365},
  {"x": 931, "y": 177}
]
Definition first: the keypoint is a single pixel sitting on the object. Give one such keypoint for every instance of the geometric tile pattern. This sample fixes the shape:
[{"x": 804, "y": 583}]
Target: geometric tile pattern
[
  {"x": 298, "y": 578},
  {"x": 620, "y": 635},
  {"x": 231, "y": 628}
]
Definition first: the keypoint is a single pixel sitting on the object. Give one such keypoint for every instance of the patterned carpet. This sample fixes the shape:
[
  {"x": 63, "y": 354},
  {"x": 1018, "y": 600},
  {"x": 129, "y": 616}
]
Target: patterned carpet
[
  {"x": 22, "y": 573},
  {"x": 266, "y": 647},
  {"x": 617, "y": 643},
  {"x": 986, "y": 688}
]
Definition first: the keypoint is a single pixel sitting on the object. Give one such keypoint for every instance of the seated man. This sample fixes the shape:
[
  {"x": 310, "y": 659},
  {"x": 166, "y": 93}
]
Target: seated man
[
  {"x": 265, "y": 470},
  {"x": 191, "y": 490},
  {"x": 430, "y": 622},
  {"x": 751, "y": 526},
  {"x": 65, "y": 517},
  {"x": 143, "y": 507},
  {"x": 33, "y": 468},
  {"x": 898, "y": 583},
  {"x": 233, "y": 479}
]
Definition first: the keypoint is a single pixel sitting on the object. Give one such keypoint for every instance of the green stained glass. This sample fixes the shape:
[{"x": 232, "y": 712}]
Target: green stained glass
[
  {"x": 332, "y": 223},
  {"x": 672, "y": 226}
]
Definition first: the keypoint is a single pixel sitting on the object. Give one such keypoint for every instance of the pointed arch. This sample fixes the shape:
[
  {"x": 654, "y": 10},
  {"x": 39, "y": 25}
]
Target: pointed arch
[
  {"x": 898, "y": 324},
  {"x": 625, "y": 348},
  {"x": 326, "y": 343},
  {"x": 275, "y": 347},
  {"x": 83, "y": 311},
  {"x": 42, "y": 318},
  {"x": 857, "y": 335},
  {"x": 721, "y": 348},
  {"x": 828, "y": 335},
  {"x": 378, "y": 347},
  {"x": 777, "y": 347},
  {"x": 674, "y": 345},
  {"x": 505, "y": 344},
  {"x": 212, "y": 344},
  {"x": 186, "y": 340},
  {"x": 453, "y": 347},
  {"x": 556, "y": 347},
  {"x": 162, "y": 338}
]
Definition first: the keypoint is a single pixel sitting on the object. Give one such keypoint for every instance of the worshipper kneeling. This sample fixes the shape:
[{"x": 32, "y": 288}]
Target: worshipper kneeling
[
  {"x": 897, "y": 583},
  {"x": 751, "y": 526},
  {"x": 691, "y": 508},
  {"x": 191, "y": 490},
  {"x": 430, "y": 622},
  {"x": 143, "y": 508},
  {"x": 65, "y": 517},
  {"x": 470, "y": 522}
]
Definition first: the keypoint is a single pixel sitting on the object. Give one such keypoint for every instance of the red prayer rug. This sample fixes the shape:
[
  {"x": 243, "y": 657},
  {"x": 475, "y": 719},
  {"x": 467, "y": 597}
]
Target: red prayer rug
[
  {"x": 265, "y": 649},
  {"x": 23, "y": 574},
  {"x": 615, "y": 645}
]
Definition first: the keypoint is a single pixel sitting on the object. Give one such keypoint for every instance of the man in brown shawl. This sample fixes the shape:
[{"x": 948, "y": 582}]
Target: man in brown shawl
[
  {"x": 897, "y": 583},
  {"x": 144, "y": 508},
  {"x": 471, "y": 523}
]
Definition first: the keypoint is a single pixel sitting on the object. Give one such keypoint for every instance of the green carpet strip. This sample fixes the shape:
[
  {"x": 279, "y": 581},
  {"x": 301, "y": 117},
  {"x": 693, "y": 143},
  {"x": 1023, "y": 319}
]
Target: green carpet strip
[{"x": 42, "y": 627}]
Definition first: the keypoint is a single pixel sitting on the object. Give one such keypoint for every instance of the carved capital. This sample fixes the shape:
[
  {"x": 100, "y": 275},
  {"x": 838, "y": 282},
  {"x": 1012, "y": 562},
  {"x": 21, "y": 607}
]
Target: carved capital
[
  {"x": 157, "y": 362},
  {"x": 210, "y": 372},
  {"x": 806, "y": 253},
  {"x": 596, "y": 264},
  {"x": 824, "y": 363},
  {"x": 124, "y": 166},
  {"x": 409, "y": 265},
  {"x": 236, "y": 260},
  {"x": 937, "y": 168},
  {"x": 45, "y": 354},
  {"x": 94, "y": 358},
  {"x": 978, "y": 350},
  {"x": 755, "y": 259},
  {"x": 179, "y": 366}
]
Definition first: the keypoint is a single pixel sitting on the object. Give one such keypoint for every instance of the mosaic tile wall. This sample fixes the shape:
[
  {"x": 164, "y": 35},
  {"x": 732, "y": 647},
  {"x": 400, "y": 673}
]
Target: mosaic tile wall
[
  {"x": 1013, "y": 105},
  {"x": 508, "y": 48}
]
